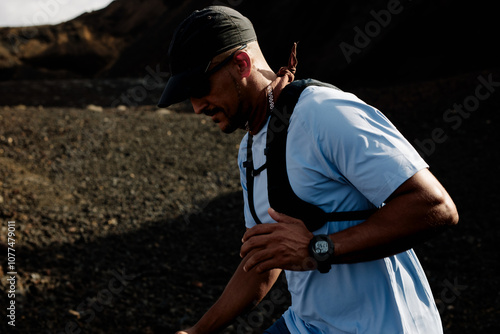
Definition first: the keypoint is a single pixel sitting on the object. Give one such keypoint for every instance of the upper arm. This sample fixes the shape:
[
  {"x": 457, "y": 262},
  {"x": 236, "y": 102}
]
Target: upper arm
[
  {"x": 354, "y": 143},
  {"x": 426, "y": 192}
]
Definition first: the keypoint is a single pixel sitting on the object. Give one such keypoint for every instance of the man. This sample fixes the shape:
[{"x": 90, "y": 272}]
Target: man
[{"x": 341, "y": 155}]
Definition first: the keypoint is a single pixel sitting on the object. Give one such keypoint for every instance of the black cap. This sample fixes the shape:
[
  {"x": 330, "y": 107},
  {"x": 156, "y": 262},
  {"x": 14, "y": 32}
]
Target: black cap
[{"x": 196, "y": 41}]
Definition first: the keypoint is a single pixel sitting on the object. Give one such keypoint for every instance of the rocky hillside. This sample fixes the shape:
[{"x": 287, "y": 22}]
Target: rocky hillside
[{"x": 83, "y": 47}]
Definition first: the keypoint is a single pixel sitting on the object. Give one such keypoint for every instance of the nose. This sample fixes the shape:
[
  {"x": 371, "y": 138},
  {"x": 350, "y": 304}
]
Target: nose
[{"x": 198, "y": 105}]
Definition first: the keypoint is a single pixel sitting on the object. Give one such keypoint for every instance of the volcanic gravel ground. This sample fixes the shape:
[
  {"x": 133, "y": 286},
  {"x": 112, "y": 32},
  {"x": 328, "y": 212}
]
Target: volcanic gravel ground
[{"x": 129, "y": 220}]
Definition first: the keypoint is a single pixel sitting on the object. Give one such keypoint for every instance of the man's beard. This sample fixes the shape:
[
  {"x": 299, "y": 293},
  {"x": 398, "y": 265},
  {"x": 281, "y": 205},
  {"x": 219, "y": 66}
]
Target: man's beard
[
  {"x": 236, "y": 121},
  {"x": 240, "y": 118}
]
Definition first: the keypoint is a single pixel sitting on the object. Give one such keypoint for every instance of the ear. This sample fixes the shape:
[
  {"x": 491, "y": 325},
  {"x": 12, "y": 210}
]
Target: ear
[{"x": 244, "y": 63}]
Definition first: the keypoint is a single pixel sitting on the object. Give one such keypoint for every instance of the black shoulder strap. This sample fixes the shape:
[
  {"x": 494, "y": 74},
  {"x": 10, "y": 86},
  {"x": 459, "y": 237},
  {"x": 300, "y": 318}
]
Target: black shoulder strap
[
  {"x": 281, "y": 196},
  {"x": 251, "y": 173}
]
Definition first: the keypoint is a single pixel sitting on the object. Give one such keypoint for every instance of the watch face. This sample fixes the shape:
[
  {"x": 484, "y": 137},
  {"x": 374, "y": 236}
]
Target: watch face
[{"x": 321, "y": 247}]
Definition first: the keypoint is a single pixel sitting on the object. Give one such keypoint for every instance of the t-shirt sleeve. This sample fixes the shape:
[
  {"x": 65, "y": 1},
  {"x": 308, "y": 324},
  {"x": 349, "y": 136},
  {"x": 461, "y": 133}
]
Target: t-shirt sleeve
[{"x": 357, "y": 142}]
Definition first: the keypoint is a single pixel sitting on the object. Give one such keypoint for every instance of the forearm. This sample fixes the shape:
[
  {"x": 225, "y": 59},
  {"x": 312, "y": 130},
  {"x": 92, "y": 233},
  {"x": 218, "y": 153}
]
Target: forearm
[
  {"x": 417, "y": 209},
  {"x": 407, "y": 219},
  {"x": 244, "y": 290},
  {"x": 379, "y": 237}
]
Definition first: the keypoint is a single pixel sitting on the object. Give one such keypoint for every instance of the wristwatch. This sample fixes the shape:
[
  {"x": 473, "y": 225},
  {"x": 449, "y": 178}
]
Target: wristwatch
[{"x": 321, "y": 249}]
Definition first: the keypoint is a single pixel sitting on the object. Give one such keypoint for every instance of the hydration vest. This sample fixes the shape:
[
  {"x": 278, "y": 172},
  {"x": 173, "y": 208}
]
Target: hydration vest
[{"x": 281, "y": 196}]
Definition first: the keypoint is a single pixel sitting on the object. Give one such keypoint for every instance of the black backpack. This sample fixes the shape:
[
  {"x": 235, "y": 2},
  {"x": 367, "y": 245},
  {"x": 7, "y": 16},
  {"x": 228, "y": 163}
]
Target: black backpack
[{"x": 280, "y": 193}]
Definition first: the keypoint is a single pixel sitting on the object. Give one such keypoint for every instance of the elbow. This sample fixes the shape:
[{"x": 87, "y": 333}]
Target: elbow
[
  {"x": 450, "y": 212},
  {"x": 446, "y": 213}
]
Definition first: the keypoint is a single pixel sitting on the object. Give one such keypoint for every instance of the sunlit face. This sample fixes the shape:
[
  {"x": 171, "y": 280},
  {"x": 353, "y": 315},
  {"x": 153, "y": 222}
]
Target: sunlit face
[{"x": 224, "y": 103}]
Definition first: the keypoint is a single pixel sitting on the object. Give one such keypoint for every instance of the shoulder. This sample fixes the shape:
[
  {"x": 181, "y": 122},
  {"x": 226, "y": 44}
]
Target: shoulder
[
  {"x": 323, "y": 109},
  {"x": 317, "y": 98}
]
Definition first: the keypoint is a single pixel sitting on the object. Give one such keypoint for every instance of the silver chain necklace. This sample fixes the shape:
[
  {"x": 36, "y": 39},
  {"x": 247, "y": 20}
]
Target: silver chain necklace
[{"x": 271, "y": 97}]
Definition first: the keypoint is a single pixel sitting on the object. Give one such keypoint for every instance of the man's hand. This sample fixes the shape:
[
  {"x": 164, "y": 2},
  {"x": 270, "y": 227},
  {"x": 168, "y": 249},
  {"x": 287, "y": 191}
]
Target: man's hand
[{"x": 284, "y": 245}]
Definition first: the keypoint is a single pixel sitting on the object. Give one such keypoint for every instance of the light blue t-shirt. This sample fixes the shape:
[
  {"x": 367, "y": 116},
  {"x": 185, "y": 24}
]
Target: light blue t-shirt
[{"x": 344, "y": 155}]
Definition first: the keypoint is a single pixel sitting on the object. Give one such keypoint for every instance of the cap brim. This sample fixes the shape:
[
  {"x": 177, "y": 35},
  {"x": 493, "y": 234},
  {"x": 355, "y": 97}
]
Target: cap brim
[{"x": 178, "y": 87}]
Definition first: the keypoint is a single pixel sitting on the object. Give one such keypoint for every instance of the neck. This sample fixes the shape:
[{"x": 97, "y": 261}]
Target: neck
[
  {"x": 271, "y": 92},
  {"x": 267, "y": 99},
  {"x": 259, "y": 115}
]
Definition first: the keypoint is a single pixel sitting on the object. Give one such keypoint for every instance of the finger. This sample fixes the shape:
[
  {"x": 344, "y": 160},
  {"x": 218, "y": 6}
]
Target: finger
[
  {"x": 260, "y": 260},
  {"x": 275, "y": 215},
  {"x": 264, "y": 266},
  {"x": 258, "y": 230},
  {"x": 281, "y": 217},
  {"x": 253, "y": 243}
]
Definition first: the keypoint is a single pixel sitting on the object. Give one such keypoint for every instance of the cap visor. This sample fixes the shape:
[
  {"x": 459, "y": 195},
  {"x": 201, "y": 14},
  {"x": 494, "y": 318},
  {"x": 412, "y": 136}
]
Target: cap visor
[
  {"x": 178, "y": 86},
  {"x": 174, "y": 92}
]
